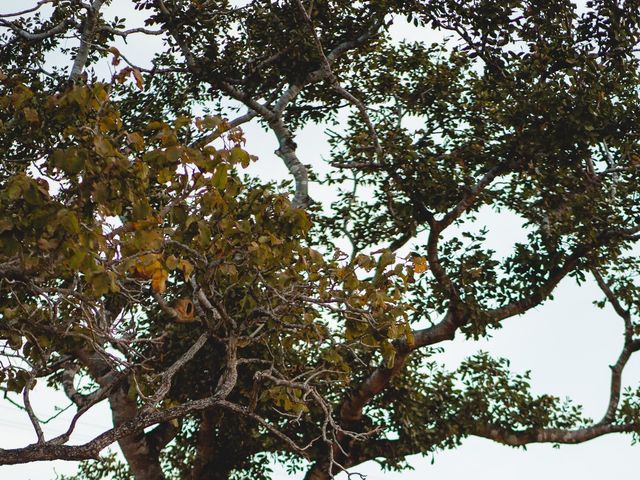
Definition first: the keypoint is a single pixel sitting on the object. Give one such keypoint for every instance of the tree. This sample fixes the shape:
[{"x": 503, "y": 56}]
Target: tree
[{"x": 140, "y": 266}]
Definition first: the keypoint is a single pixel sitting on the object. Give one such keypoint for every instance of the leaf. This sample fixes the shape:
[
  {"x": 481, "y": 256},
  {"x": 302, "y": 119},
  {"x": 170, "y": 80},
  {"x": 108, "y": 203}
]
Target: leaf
[
  {"x": 419, "y": 264},
  {"x": 159, "y": 280},
  {"x": 76, "y": 259},
  {"x": 150, "y": 267},
  {"x": 386, "y": 259},
  {"x": 171, "y": 262},
  {"x": 389, "y": 354},
  {"x": 238, "y": 155},
  {"x": 186, "y": 267},
  {"x": 45, "y": 244},
  {"x": 138, "y": 78},
  {"x": 103, "y": 282},
  {"x": 135, "y": 140},
  {"x": 185, "y": 310},
  {"x": 116, "y": 56},
  {"x": 31, "y": 115},
  {"x": 210, "y": 121},
  {"x": 72, "y": 164},
  {"x": 103, "y": 146},
  {"x": 69, "y": 221},
  {"x": 16, "y": 186},
  {"x": 219, "y": 179}
]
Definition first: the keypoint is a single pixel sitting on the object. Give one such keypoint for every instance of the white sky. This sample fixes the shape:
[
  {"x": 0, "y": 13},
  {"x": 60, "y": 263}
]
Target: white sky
[{"x": 567, "y": 344}]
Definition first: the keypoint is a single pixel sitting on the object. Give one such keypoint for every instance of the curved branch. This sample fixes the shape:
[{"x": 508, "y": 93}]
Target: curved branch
[
  {"x": 470, "y": 197},
  {"x": 517, "y": 438},
  {"x": 630, "y": 347},
  {"x": 56, "y": 29}
]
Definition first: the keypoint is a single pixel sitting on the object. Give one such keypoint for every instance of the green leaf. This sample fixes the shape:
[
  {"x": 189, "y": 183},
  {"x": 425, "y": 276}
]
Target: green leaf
[
  {"x": 103, "y": 146},
  {"x": 238, "y": 155},
  {"x": 69, "y": 221},
  {"x": 103, "y": 282},
  {"x": 219, "y": 179}
]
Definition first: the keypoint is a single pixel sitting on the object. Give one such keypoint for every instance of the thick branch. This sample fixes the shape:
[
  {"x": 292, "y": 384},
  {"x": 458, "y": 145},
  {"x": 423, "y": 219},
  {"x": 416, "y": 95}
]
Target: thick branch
[
  {"x": 552, "y": 435},
  {"x": 86, "y": 38},
  {"x": 91, "y": 450}
]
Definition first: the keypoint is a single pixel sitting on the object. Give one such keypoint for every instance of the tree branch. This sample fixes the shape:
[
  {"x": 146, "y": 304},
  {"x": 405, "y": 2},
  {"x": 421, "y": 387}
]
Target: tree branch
[
  {"x": 516, "y": 438},
  {"x": 86, "y": 39},
  {"x": 630, "y": 346}
]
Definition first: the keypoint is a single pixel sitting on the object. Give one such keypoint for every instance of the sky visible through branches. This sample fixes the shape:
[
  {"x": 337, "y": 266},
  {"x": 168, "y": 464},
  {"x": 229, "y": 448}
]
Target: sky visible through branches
[{"x": 567, "y": 343}]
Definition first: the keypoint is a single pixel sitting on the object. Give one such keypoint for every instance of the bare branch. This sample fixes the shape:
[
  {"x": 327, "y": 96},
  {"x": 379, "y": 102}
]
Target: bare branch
[
  {"x": 130, "y": 31},
  {"x": 169, "y": 373},
  {"x": 27, "y": 11},
  {"x": 86, "y": 39},
  {"x": 91, "y": 449},
  {"x": 68, "y": 384},
  {"x": 630, "y": 346},
  {"x": 35, "y": 422},
  {"x": 519, "y": 438},
  {"x": 56, "y": 29}
]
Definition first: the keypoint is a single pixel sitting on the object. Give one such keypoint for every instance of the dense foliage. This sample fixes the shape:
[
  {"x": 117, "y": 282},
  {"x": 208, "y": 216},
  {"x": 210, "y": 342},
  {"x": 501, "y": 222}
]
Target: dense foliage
[{"x": 141, "y": 266}]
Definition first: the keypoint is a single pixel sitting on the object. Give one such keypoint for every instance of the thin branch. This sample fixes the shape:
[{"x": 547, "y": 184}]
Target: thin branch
[
  {"x": 56, "y": 29},
  {"x": 630, "y": 347},
  {"x": 169, "y": 373},
  {"x": 335, "y": 84},
  {"x": 35, "y": 422},
  {"x": 91, "y": 450},
  {"x": 130, "y": 31},
  {"x": 27, "y": 11},
  {"x": 613, "y": 300},
  {"x": 470, "y": 197}
]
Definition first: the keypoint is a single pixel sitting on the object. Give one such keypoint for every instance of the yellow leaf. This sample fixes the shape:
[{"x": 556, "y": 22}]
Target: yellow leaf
[
  {"x": 186, "y": 268},
  {"x": 149, "y": 267},
  {"x": 419, "y": 264},
  {"x": 159, "y": 280},
  {"x": 171, "y": 262}
]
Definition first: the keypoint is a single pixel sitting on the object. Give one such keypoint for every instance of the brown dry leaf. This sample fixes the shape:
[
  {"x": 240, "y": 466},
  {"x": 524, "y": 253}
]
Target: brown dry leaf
[{"x": 138, "y": 77}]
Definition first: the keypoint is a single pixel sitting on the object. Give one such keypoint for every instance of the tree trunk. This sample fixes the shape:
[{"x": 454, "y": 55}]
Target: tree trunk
[
  {"x": 211, "y": 463},
  {"x": 143, "y": 460},
  {"x": 319, "y": 471}
]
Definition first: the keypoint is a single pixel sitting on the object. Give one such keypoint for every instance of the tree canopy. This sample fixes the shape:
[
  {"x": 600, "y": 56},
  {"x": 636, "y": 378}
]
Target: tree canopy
[{"x": 140, "y": 265}]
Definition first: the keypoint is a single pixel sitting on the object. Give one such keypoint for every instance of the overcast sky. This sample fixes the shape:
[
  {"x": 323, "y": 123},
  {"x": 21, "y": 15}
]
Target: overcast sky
[{"x": 567, "y": 343}]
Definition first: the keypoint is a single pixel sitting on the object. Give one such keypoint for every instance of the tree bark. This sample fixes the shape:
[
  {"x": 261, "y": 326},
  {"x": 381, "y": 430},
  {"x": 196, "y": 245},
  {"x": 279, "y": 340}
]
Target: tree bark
[
  {"x": 143, "y": 460},
  {"x": 317, "y": 473}
]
